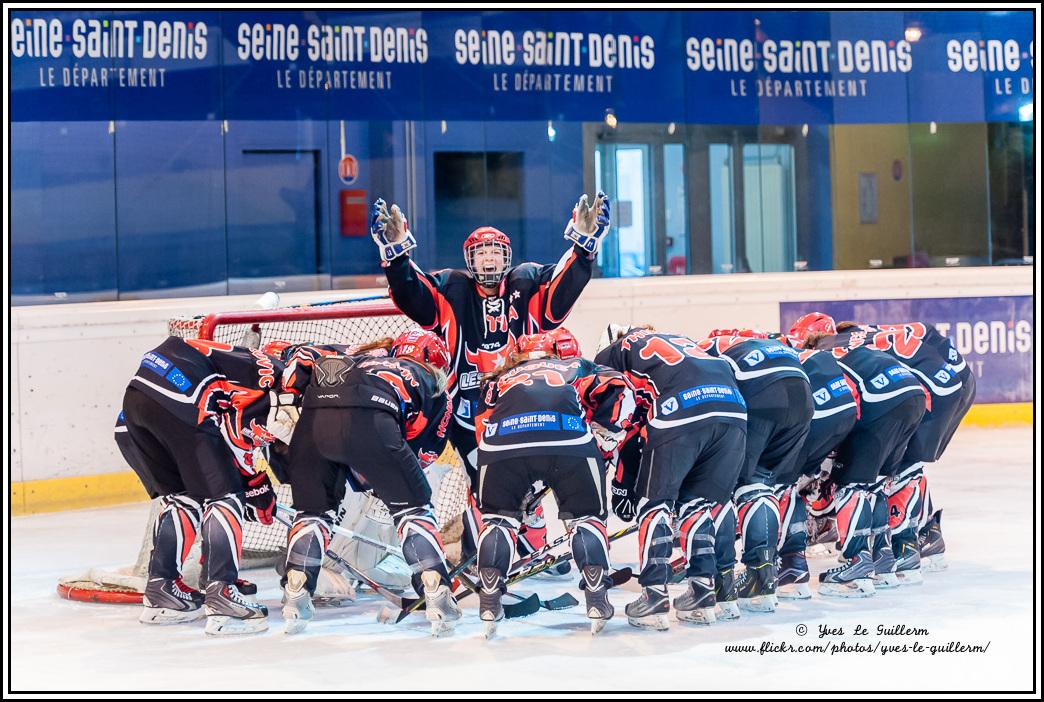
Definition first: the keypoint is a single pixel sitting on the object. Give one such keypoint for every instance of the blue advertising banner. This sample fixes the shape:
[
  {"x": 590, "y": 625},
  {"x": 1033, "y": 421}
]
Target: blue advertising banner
[
  {"x": 697, "y": 66},
  {"x": 994, "y": 334}
]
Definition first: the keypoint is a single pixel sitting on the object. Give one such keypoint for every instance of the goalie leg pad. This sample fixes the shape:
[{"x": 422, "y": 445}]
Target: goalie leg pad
[
  {"x": 222, "y": 539},
  {"x": 696, "y": 537},
  {"x": 173, "y": 535},
  {"x": 655, "y": 543},
  {"x": 422, "y": 547},
  {"x": 306, "y": 544}
]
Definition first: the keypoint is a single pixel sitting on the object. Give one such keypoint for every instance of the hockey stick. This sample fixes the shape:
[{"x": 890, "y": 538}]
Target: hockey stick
[
  {"x": 526, "y": 605},
  {"x": 385, "y": 615},
  {"x": 348, "y": 533}
]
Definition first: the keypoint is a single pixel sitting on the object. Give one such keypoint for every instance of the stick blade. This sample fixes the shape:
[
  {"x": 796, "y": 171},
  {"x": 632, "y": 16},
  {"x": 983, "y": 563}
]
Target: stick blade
[{"x": 528, "y": 606}]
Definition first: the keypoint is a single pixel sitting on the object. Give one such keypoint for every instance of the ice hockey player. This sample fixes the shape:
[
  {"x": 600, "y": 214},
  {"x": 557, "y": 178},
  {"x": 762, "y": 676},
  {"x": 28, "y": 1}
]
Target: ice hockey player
[
  {"x": 891, "y": 405},
  {"x": 693, "y": 428},
  {"x": 480, "y": 311},
  {"x": 779, "y": 410},
  {"x": 835, "y": 411},
  {"x": 914, "y": 526},
  {"x": 546, "y": 416},
  {"x": 358, "y": 417},
  {"x": 192, "y": 416}
]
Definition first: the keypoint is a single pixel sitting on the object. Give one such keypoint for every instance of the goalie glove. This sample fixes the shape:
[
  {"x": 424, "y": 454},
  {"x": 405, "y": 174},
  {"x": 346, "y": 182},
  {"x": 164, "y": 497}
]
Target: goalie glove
[
  {"x": 260, "y": 499},
  {"x": 608, "y": 441},
  {"x": 282, "y": 415},
  {"x": 390, "y": 231},
  {"x": 589, "y": 223}
]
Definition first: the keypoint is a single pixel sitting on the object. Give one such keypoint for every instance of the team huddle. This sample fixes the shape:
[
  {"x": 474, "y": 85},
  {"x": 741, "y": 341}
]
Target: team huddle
[{"x": 768, "y": 440}]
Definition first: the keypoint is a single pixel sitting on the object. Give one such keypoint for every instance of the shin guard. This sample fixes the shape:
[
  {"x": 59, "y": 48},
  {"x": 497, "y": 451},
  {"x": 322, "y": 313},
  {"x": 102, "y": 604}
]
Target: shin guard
[
  {"x": 421, "y": 542},
  {"x": 793, "y": 529},
  {"x": 758, "y": 514},
  {"x": 696, "y": 537},
  {"x": 222, "y": 539},
  {"x": 853, "y": 519},
  {"x": 590, "y": 543},
  {"x": 655, "y": 543},
  {"x": 173, "y": 535},
  {"x": 497, "y": 545},
  {"x": 307, "y": 542}
]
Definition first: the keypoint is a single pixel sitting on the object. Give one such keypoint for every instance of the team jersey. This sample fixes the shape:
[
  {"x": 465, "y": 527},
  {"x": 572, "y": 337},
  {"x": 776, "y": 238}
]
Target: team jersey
[
  {"x": 930, "y": 355},
  {"x": 546, "y": 406},
  {"x": 878, "y": 377},
  {"x": 835, "y": 404},
  {"x": 478, "y": 329},
  {"x": 397, "y": 385},
  {"x": 676, "y": 383},
  {"x": 214, "y": 386},
  {"x": 756, "y": 362}
]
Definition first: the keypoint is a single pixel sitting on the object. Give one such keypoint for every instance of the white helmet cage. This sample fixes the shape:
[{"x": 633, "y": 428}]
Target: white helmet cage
[{"x": 485, "y": 277}]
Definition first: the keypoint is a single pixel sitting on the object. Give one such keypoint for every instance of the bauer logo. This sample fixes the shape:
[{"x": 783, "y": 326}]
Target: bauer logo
[
  {"x": 821, "y": 396},
  {"x": 669, "y": 406},
  {"x": 879, "y": 381}
]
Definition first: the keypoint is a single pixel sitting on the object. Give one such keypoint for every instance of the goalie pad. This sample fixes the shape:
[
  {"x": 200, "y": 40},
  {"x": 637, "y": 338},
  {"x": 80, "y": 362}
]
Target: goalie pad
[
  {"x": 589, "y": 223},
  {"x": 390, "y": 231}
]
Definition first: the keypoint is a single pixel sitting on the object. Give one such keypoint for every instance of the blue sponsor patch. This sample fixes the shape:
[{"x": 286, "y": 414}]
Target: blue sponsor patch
[
  {"x": 156, "y": 363},
  {"x": 838, "y": 387},
  {"x": 669, "y": 406},
  {"x": 570, "y": 423},
  {"x": 464, "y": 409},
  {"x": 710, "y": 393},
  {"x": 754, "y": 358},
  {"x": 821, "y": 396},
  {"x": 121, "y": 419},
  {"x": 879, "y": 381},
  {"x": 781, "y": 350},
  {"x": 899, "y": 372},
  {"x": 531, "y": 421},
  {"x": 178, "y": 379}
]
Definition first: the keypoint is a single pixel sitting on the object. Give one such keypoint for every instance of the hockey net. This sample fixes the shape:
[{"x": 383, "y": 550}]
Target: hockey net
[{"x": 342, "y": 322}]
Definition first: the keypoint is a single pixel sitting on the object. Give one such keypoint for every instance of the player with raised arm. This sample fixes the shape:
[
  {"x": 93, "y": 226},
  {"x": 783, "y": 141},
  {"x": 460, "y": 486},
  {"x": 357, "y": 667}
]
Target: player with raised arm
[
  {"x": 692, "y": 436},
  {"x": 193, "y": 415},
  {"x": 544, "y": 417},
  {"x": 479, "y": 311},
  {"x": 362, "y": 416},
  {"x": 779, "y": 409},
  {"x": 891, "y": 404}
]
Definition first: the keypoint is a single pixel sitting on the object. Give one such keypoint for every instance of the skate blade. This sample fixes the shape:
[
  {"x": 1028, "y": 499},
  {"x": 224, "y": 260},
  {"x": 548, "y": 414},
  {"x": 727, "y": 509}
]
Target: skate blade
[
  {"x": 597, "y": 625},
  {"x": 886, "y": 581},
  {"x": 762, "y": 603},
  {"x": 863, "y": 587},
  {"x": 794, "y": 591},
  {"x": 220, "y": 625},
  {"x": 656, "y": 622},
  {"x": 703, "y": 616},
  {"x": 910, "y": 577},
  {"x": 440, "y": 628},
  {"x": 490, "y": 630},
  {"x": 293, "y": 622},
  {"x": 163, "y": 617},
  {"x": 934, "y": 564},
  {"x": 727, "y": 611}
]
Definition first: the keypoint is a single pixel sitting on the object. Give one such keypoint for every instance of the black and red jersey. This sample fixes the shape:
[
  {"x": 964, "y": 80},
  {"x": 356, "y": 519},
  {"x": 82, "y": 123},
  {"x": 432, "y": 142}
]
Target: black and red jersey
[
  {"x": 479, "y": 329},
  {"x": 756, "y": 362},
  {"x": 930, "y": 355},
  {"x": 546, "y": 406},
  {"x": 214, "y": 386},
  {"x": 877, "y": 377},
  {"x": 300, "y": 361},
  {"x": 401, "y": 386},
  {"x": 835, "y": 404},
  {"x": 677, "y": 383}
]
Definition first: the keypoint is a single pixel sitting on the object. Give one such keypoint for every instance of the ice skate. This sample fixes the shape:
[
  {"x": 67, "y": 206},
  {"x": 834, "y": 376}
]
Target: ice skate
[
  {"x": 884, "y": 564},
  {"x": 596, "y": 596},
  {"x": 491, "y": 590},
  {"x": 650, "y": 610},
  {"x": 852, "y": 579},
  {"x": 440, "y": 607},
  {"x": 792, "y": 577},
  {"x": 756, "y": 585},
  {"x": 907, "y": 562},
  {"x": 932, "y": 546},
  {"x": 230, "y": 614},
  {"x": 725, "y": 595},
  {"x": 170, "y": 602},
  {"x": 697, "y": 603},
  {"x": 297, "y": 603}
]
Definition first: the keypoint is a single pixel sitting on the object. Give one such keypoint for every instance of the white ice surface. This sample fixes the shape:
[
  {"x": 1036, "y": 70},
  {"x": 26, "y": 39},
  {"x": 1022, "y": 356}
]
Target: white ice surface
[{"x": 984, "y": 484}]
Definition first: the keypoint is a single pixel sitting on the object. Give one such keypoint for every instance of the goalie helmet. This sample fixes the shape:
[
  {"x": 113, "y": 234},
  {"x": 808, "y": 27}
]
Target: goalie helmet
[
  {"x": 812, "y": 323},
  {"x": 423, "y": 346},
  {"x": 610, "y": 334},
  {"x": 565, "y": 344},
  {"x": 482, "y": 239}
]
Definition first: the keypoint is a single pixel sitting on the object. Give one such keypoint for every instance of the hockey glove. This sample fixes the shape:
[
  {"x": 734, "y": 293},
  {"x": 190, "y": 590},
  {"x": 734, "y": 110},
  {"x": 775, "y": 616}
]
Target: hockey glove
[
  {"x": 624, "y": 504},
  {"x": 260, "y": 499},
  {"x": 390, "y": 231},
  {"x": 282, "y": 416},
  {"x": 589, "y": 223}
]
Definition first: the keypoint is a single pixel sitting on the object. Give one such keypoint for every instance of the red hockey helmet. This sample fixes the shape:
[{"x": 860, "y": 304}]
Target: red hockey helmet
[
  {"x": 535, "y": 345},
  {"x": 812, "y": 323},
  {"x": 566, "y": 345},
  {"x": 487, "y": 238},
  {"x": 422, "y": 346},
  {"x": 275, "y": 348}
]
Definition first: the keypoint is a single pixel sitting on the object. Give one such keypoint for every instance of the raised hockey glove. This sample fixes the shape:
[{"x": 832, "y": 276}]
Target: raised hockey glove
[
  {"x": 282, "y": 415},
  {"x": 260, "y": 499},
  {"x": 589, "y": 223},
  {"x": 608, "y": 441},
  {"x": 390, "y": 231},
  {"x": 624, "y": 504}
]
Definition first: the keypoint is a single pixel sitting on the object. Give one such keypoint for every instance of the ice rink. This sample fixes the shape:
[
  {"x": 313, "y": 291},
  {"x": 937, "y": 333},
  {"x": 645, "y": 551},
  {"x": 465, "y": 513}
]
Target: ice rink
[{"x": 984, "y": 599}]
